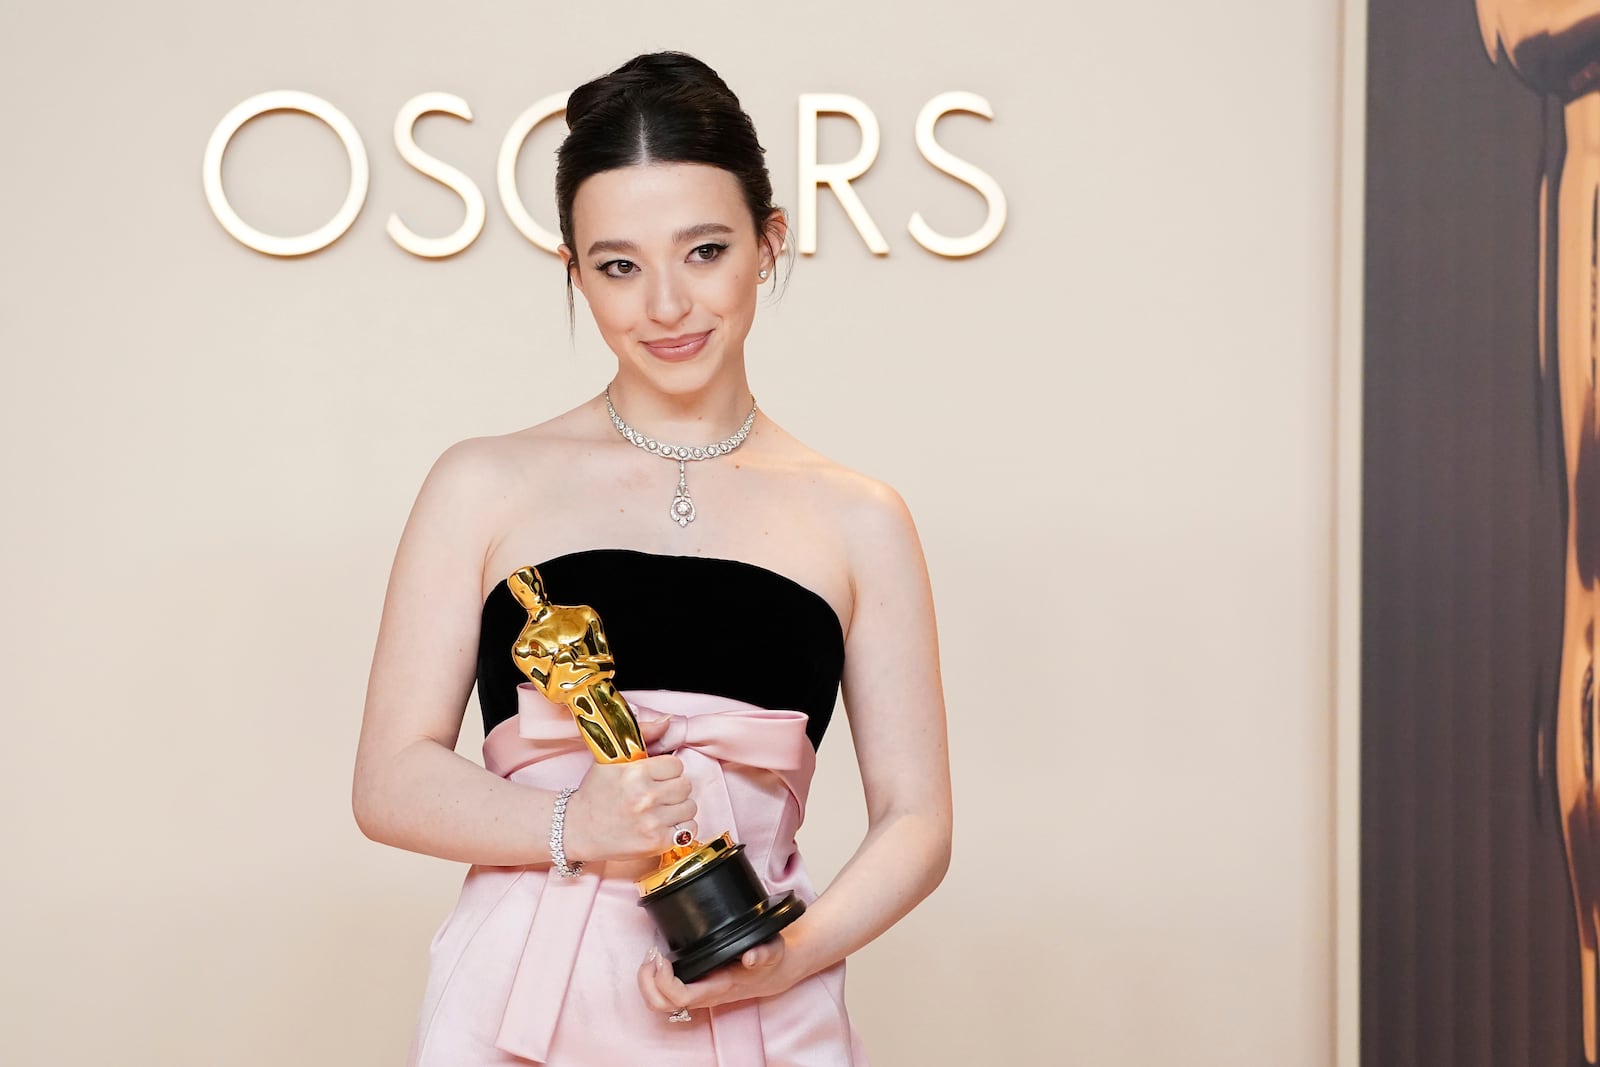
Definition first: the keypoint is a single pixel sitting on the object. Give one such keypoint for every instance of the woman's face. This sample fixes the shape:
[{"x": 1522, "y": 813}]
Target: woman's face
[{"x": 667, "y": 260}]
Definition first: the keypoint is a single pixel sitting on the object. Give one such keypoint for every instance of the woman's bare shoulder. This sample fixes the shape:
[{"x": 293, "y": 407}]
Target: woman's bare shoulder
[
  {"x": 471, "y": 473},
  {"x": 875, "y": 538},
  {"x": 861, "y": 503},
  {"x": 496, "y": 466}
]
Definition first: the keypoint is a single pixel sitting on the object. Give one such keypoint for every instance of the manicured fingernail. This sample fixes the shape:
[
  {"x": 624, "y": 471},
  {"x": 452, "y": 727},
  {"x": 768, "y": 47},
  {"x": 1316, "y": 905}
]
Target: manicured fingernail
[{"x": 653, "y": 956}]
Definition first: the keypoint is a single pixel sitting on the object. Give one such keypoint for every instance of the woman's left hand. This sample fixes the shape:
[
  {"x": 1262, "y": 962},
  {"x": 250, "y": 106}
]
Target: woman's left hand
[{"x": 760, "y": 972}]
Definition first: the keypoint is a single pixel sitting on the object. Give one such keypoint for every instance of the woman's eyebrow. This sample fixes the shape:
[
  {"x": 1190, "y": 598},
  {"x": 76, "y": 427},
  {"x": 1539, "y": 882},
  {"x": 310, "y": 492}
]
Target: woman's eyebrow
[
  {"x": 704, "y": 229},
  {"x": 688, "y": 233}
]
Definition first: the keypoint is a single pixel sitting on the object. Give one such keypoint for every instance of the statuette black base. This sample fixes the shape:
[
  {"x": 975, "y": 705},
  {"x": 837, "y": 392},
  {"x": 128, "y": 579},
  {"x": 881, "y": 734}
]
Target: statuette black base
[{"x": 714, "y": 914}]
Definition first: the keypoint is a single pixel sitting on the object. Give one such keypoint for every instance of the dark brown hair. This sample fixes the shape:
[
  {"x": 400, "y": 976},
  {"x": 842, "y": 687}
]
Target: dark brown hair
[{"x": 665, "y": 107}]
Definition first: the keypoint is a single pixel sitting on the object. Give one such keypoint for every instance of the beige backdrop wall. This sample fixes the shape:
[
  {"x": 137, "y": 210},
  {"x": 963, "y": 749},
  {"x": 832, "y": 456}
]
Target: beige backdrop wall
[{"x": 1114, "y": 427}]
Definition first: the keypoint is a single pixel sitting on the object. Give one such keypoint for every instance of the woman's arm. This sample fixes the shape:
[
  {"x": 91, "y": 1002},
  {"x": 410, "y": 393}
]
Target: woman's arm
[
  {"x": 411, "y": 790},
  {"x": 895, "y": 700}
]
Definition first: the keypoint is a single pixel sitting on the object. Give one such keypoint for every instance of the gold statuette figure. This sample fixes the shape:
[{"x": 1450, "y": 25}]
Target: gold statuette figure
[
  {"x": 705, "y": 898},
  {"x": 563, "y": 651}
]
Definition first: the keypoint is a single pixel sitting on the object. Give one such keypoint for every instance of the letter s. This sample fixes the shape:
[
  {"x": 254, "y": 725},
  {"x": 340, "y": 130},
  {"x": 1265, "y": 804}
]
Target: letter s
[
  {"x": 404, "y": 127},
  {"x": 962, "y": 171}
]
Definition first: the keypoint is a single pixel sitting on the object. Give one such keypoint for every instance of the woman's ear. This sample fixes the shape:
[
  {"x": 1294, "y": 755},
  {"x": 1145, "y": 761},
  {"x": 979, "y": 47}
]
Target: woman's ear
[
  {"x": 774, "y": 233},
  {"x": 570, "y": 262}
]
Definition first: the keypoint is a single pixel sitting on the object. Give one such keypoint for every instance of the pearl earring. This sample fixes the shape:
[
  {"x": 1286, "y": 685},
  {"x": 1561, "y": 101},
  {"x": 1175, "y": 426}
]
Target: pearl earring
[{"x": 762, "y": 274}]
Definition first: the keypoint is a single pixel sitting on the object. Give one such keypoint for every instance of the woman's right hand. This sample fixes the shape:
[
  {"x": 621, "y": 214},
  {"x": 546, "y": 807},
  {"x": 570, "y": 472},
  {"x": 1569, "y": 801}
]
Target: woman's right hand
[{"x": 625, "y": 811}]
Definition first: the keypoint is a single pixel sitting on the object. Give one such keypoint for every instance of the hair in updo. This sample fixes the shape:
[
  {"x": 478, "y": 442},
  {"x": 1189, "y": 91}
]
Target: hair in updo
[{"x": 666, "y": 107}]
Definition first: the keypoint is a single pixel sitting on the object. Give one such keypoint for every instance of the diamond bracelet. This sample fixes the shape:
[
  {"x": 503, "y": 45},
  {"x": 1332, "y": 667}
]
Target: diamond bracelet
[{"x": 558, "y": 822}]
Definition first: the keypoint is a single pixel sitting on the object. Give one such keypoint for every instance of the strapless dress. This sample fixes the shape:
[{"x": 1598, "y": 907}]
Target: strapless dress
[{"x": 530, "y": 967}]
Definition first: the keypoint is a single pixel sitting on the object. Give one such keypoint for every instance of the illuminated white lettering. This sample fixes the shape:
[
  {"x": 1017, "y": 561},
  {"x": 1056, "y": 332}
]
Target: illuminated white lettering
[
  {"x": 962, "y": 171},
  {"x": 837, "y": 175},
  {"x": 506, "y": 172},
  {"x": 217, "y": 197},
  {"x": 443, "y": 173}
]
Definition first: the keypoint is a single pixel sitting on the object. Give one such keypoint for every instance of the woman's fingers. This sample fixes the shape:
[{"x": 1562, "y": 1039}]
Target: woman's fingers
[
  {"x": 758, "y": 973},
  {"x": 674, "y": 791},
  {"x": 653, "y": 730},
  {"x": 676, "y": 813},
  {"x": 663, "y": 768},
  {"x": 769, "y": 954},
  {"x": 661, "y": 989},
  {"x": 630, "y": 810},
  {"x": 676, "y": 820},
  {"x": 653, "y": 997}
]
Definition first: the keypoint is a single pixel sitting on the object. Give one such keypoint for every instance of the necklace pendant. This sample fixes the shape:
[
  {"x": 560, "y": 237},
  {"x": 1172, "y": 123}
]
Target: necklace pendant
[
  {"x": 682, "y": 505},
  {"x": 682, "y": 509}
]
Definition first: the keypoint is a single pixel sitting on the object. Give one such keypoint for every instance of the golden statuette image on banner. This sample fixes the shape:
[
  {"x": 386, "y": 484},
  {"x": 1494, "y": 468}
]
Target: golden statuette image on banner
[
  {"x": 1554, "y": 47},
  {"x": 704, "y": 898}
]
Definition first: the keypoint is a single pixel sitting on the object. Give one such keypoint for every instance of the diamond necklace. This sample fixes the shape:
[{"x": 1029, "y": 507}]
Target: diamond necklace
[{"x": 682, "y": 510}]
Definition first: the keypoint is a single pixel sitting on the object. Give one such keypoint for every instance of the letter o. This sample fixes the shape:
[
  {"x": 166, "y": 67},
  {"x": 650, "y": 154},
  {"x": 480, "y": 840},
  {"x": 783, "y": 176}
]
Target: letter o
[{"x": 285, "y": 100}]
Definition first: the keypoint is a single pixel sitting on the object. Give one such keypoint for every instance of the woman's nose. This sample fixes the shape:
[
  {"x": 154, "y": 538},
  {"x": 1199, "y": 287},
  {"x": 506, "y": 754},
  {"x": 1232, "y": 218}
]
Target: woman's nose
[{"x": 668, "y": 299}]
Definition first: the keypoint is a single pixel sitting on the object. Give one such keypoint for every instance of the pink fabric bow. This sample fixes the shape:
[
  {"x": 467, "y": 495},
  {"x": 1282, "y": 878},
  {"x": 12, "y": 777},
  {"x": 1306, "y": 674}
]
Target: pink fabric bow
[{"x": 706, "y": 732}]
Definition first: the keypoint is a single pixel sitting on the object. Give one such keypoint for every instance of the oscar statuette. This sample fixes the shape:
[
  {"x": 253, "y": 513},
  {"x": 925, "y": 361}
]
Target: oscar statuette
[{"x": 704, "y": 898}]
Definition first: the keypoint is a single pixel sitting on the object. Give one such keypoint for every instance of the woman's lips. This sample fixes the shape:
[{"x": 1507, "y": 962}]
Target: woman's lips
[{"x": 675, "y": 348}]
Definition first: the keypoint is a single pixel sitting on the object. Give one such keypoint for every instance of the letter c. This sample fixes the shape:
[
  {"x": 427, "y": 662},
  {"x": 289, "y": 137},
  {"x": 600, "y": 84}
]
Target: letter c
[{"x": 506, "y": 170}]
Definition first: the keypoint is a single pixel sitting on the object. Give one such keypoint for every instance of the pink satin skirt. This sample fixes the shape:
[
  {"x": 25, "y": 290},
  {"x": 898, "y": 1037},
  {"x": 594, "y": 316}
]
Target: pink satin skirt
[{"x": 531, "y": 967}]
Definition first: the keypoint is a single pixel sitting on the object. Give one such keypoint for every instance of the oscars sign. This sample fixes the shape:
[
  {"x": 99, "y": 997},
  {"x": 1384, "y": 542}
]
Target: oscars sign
[{"x": 812, "y": 174}]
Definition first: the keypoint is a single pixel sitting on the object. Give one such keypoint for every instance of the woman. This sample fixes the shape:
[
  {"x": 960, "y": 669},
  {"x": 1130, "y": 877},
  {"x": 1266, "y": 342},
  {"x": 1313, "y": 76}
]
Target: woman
[{"x": 760, "y": 575}]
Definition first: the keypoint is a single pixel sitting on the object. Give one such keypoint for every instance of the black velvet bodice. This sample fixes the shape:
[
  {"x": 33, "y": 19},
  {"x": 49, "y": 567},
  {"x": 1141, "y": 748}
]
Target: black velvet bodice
[{"x": 691, "y": 623}]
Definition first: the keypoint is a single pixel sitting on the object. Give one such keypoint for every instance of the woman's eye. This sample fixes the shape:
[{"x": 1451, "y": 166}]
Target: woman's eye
[
  {"x": 618, "y": 268},
  {"x": 706, "y": 253}
]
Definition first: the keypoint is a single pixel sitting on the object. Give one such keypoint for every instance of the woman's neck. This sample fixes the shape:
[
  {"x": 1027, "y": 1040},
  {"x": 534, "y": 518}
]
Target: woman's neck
[{"x": 707, "y": 414}]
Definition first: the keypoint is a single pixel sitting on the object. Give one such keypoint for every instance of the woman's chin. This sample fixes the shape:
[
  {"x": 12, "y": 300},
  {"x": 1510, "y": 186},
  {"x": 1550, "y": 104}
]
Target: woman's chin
[{"x": 680, "y": 377}]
